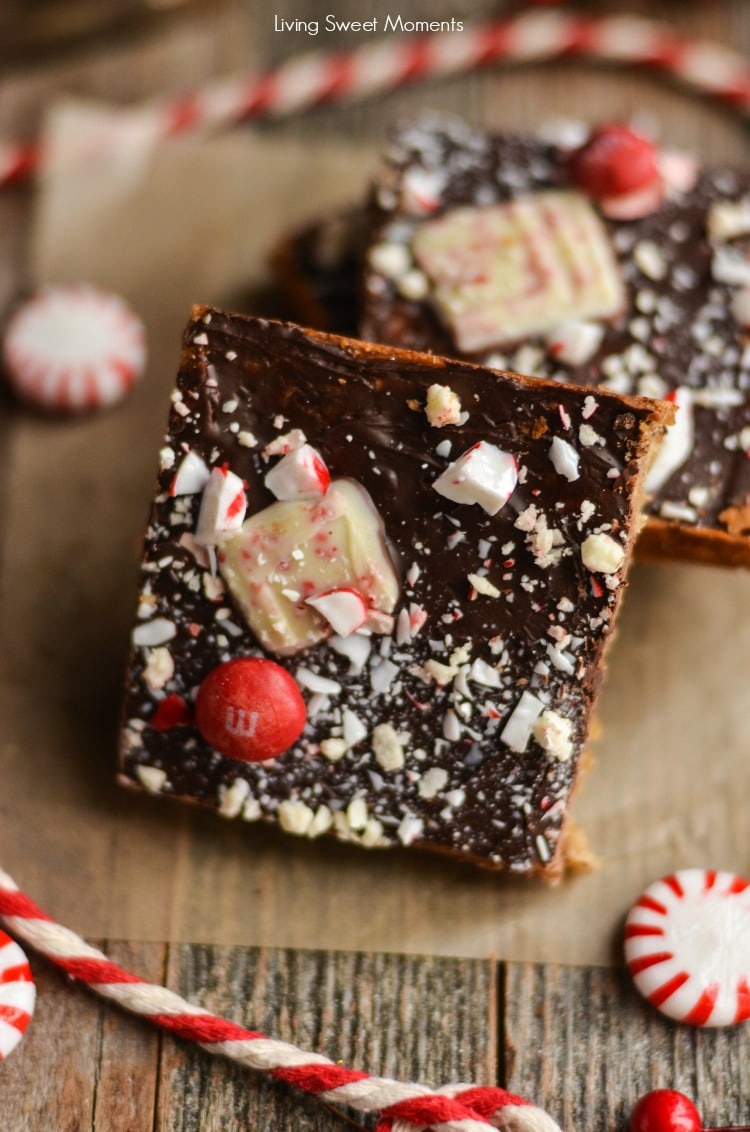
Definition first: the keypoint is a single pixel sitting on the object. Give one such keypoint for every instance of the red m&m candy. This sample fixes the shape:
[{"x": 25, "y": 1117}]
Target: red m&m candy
[
  {"x": 250, "y": 709},
  {"x": 614, "y": 161},
  {"x": 665, "y": 1110}
]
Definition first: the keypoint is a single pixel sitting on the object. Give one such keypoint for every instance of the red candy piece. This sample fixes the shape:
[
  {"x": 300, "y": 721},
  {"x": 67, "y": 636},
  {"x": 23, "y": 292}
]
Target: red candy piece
[
  {"x": 250, "y": 709},
  {"x": 614, "y": 161},
  {"x": 171, "y": 712},
  {"x": 665, "y": 1110}
]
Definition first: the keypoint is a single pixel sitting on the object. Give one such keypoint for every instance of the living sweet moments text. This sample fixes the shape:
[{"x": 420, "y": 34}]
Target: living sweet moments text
[{"x": 390, "y": 22}]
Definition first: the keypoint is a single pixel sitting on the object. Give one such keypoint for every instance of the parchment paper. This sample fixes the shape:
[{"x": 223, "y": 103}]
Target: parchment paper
[{"x": 193, "y": 222}]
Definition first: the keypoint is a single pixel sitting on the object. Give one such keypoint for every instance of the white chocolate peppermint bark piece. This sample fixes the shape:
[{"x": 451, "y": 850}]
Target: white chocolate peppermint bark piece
[
  {"x": 296, "y": 550},
  {"x": 502, "y": 272}
]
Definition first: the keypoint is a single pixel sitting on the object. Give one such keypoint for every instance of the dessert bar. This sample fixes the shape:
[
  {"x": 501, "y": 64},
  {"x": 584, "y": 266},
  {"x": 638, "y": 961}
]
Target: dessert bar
[
  {"x": 376, "y": 591},
  {"x": 605, "y": 261}
]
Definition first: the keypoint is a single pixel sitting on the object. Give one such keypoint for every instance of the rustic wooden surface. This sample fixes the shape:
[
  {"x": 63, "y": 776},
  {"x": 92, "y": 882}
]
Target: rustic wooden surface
[
  {"x": 578, "y": 1041},
  {"x": 574, "y": 1039}
]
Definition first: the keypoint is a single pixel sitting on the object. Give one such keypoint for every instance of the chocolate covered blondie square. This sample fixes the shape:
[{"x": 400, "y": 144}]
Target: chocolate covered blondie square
[
  {"x": 601, "y": 259},
  {"x": 376, "y": 591}
]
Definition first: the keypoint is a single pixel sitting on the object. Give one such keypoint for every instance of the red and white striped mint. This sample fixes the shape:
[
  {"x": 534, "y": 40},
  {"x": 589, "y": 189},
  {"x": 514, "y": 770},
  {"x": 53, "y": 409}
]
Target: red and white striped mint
[
  {"x": 223, "y": 507},
  {"x": 484, "y": 474},
  {"x": 301, "y": 474},
  {"x": 17, "y": 994},
  {"x": 687, "y": 947},
  {"x": 343, "y": 607},
  {"x": 73, "y": 348}
]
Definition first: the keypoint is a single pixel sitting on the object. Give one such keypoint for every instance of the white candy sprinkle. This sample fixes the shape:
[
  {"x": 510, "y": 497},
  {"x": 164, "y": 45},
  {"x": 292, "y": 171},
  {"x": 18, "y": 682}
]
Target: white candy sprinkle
[
  {"x": 730, "y": 265},
  {"x": 561, "y": 660},
  {"x": 421, "y": 190},
  {"x": 251, "y": 810},
  {"x": 354, "y": 730},
  {"x": 699, "y": 496},
  {"x": 223, "y": 507},
  {"x": 286, "y": 443},
  {"x": 232, "y": 798},
  {"x": 651, "y": 385},
  {"x": 678, "y": 511},
  {"x": 716, "y": 398},
  {"x": 432, "y": 782},
  {"x": 152, "y": 778},
  {"x": 356, "y": 813},
  {"x": 728, "y": 219},
  {"x": 321, "y": 823},
  {"x": 564, "y": 459},
  {"x": 166, "y": 458},
  {"x": 155, "y": 632},
  {"x": 602, "y": 554},
  {"x": 649, "y": 259},
  {"x": 554, "y": 734},
  {"x": 333, "y": 748},
  {"x": 382, "y": 676},
  {"x": 372, "y": 834},
  {"x": 295, "y": 816},
  {"x": 316, "y": 683},
  {"x": 386, "y": 746},
  {"x": 390, "y": 260},
  {"x": 518, "y": 728},
  {"x": 410, "y": 829},
  {"x": 413, "y": 285},
  {"x": 483, "y": 585},
  {"x": 451, "y": 726},
  {"x": 356, "y": 649},
  {"x": 159, "y": 668},
  {"x": 483, "y": 673},
  {"x": 343, "y": 608},
  {"x": 588, "y": 436}
]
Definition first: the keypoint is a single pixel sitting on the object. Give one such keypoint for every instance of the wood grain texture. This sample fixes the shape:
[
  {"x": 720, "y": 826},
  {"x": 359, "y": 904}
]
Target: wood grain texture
[
  {"x": 425, "y": 1019},
  {"x": 85, "y": 1065},
  {"x": 67, "y": 601},
  {"x": 582, "y": 1042},
  {"x": 80, "y": 1065}
]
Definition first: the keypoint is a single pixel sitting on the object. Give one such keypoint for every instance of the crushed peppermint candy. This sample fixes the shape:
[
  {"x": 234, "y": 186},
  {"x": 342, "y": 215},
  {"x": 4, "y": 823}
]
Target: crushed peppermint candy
[
  {"x": 443, "y": 406},
  {"x": 484, "y": 474},
  {"x": 565, "y": 458},
  {"x": 223, "y": 507}
]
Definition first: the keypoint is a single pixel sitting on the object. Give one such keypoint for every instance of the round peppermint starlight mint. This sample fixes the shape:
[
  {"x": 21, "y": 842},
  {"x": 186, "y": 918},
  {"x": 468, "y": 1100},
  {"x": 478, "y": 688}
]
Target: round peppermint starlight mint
[
  {"x": 687, "y": 947},
  {"x": 17, "y": 994},
  {"x": 73, "y": 348}
]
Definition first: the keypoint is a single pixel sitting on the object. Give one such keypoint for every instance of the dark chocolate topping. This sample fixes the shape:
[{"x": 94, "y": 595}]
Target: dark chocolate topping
[
  {"x": 534, "y": 620},
  {"x": 678, "y": 326}
]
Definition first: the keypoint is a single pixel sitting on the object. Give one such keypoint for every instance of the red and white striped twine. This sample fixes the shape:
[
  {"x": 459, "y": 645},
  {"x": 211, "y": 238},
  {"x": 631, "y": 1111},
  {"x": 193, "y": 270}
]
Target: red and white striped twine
[
  {"x": 306, "y": 81},
  {"x": 402, "y": 1107}
]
